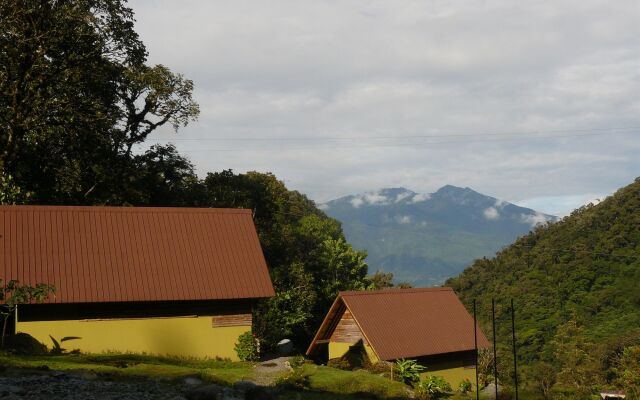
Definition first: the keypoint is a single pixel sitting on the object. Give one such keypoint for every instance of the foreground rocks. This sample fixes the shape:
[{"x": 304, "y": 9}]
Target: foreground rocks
[{"x": 20, "y": 384}]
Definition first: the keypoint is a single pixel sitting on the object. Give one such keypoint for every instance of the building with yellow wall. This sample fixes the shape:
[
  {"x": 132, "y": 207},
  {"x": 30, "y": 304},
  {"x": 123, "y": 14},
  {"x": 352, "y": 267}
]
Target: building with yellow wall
[
  {"x": 165, "y": 281},
  {"x": 429, "y": 325}
]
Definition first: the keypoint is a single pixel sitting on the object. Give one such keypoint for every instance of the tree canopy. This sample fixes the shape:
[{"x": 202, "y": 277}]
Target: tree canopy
[{"x": 76, "y": 94}]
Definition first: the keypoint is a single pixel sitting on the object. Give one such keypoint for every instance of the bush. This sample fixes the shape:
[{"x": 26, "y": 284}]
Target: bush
[
  {"x": 381, "y": 368},
  {"x": 432, "y": 387},
  {"x": 355, "y": 358},
  {"x": 247, "y": 347},
  {"x": 339, "y": 363},
  {"x": 465, "y": 386},
  {"x": 24, "y": 344},
  {"x": 297, "y": 379},
  {"x": 408, "y": 371}
]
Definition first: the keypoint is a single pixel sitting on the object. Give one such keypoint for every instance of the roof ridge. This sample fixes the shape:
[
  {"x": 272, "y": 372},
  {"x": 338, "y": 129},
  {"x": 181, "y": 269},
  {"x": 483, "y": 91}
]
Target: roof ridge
[
  {"x": 393, "y": 291},
  {"x": 124, "y": 209}
]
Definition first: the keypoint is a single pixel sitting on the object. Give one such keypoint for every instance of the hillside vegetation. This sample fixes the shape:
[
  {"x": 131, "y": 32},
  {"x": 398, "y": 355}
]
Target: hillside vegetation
[{"x": 576, "y": 285}]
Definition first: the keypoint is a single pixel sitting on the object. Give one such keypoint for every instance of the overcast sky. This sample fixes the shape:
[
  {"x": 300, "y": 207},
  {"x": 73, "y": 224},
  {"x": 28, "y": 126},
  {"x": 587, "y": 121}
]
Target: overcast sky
[{"x": 537, "y": 103}]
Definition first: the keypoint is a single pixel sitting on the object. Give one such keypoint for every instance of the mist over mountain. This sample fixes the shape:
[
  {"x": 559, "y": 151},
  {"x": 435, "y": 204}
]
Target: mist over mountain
[{"x": 426, "y": 238}]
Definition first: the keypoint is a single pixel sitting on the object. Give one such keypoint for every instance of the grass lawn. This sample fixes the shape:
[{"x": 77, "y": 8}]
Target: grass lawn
[
  {"x": 350, "y": 385},
  {"x": 324, "y": 382},
  {"x": 132, "y": 365}
]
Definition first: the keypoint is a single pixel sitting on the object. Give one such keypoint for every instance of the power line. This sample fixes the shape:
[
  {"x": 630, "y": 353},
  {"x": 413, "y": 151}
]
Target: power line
[
  {"x": 412, "y": 144},
  {"x": 426, "y": 136}
]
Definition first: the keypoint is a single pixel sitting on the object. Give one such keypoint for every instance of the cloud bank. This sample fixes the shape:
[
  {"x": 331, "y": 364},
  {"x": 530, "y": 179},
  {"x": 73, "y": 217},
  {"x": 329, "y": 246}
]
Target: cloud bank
[{"x": 517, "y": 100}]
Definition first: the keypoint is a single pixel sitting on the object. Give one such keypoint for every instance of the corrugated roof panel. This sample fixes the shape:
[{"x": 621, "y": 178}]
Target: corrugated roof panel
[
  {"x": 106, "y": 254},
  {"x": 408, "y": 323}
]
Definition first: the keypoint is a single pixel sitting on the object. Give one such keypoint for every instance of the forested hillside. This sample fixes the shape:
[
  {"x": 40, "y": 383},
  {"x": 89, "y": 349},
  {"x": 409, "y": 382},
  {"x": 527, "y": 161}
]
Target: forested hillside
[{"x": 576, "y": 286}]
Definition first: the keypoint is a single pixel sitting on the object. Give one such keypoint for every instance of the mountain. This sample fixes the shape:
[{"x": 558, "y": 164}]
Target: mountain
[
  {"x": 576, "y": 285},
  {"x": 426, "y": 238}
]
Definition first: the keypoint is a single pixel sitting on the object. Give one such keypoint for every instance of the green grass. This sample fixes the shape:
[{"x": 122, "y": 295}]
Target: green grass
[
  {"x": 134, "y": 365},
  {"x": 356, "y": 384}
]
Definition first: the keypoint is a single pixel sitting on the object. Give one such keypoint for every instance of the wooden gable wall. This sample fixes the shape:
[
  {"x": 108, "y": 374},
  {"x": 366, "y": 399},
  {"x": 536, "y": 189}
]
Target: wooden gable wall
[{"x": 347, "y": 330}]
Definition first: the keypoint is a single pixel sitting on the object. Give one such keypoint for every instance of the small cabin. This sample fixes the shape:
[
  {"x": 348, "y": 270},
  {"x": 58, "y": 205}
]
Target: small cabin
[
  {"x": 429, "y": 325},
  {"x": 167, "y": 281}
]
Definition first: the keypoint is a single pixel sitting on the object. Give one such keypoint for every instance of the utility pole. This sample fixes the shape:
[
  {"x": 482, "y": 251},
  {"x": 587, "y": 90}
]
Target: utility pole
[
  {"x": 475, "y": 342},
  {"x": 495, "y": 355},
  {"x": 515, "y": 353}
]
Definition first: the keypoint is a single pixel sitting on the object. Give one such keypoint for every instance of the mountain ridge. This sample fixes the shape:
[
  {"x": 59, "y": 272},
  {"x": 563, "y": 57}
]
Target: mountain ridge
[{"x": 425, "y": 238}]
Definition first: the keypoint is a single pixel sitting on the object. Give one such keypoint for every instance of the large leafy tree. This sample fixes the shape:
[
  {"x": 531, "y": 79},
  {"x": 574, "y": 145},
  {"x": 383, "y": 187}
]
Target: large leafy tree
[
  {"x": 308, "y": 258},
  {"x": 76, "y": 95}
]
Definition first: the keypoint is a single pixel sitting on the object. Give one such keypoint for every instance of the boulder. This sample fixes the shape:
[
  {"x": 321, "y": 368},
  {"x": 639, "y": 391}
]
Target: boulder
[
  {"x": 205, "y": 392},
  {"x": 192, "y": 381},
  {"x": 244, "y": 386},
  {"x": 284, "y": 347},
  {"x": 259, "y": 393}
]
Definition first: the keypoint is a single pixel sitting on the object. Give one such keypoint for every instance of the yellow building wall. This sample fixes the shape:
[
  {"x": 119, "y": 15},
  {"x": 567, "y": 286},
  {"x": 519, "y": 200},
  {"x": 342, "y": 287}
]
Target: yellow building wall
[
  {"x": 339, "y": 349},
  {"x": 178, "y": 336},
  {"x": 453, "y": 372}
]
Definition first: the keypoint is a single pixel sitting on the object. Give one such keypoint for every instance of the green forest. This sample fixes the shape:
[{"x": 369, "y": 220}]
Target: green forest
[{"x": 575, "y": 285}]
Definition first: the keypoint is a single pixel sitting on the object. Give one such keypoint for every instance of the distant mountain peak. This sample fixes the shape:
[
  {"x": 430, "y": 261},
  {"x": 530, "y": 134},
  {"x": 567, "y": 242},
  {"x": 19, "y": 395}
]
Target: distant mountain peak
[
  {"x": 380, "y": 197},
  {"x": 425, "y": 238}
]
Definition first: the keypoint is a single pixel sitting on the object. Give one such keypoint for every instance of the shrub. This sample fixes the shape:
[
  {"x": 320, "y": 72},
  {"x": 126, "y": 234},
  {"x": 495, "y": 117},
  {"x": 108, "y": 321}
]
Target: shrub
[
  {"x": 408, "y": 371},
  {"x": 465, "y": 386},
  {"x": 432, "y": 387},
  {"x": 297, "y": 379},
  {"x": 339, "y": 363},
  {"x": 57, "y": 345},
  {"x": 355, "y": 358},
  {"x": 247, "y": 347},
  {"x": 24, "y": 344}
]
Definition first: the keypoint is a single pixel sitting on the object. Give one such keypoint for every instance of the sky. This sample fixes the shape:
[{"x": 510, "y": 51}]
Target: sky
[{"x": 536, "y": 103}]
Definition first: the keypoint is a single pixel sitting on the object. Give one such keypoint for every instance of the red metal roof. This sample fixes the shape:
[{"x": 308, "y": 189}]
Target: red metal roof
[
  {"x": 109, "y": 254},
  {"x": 408, "y": 323}
]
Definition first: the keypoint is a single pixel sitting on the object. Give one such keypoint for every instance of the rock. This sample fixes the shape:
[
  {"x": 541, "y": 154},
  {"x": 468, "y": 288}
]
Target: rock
[
  {"x": 284, "y": 347},
  {"x": 244, "y": 386},
  {"x": 230, "y": 394},
  {"x": 87, "y": 375},
  {"x": 11, "y": 390},
  {"x": 205, "y": 392},
  {"x": 192, "y": 381},
  {"x": 259, "y": 393}
]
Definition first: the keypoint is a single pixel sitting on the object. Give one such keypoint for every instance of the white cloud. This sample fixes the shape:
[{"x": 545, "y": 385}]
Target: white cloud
[
  {"x": 562, "y": 205},
  {"x": 418, "y": 198},
  {"x": 534, "y": 219},
  {"x": 403, "y": 219},
  {"x": 500, "y": 203},
  {"x": 357, "y": 202},
  {"x": 323, "y": 206},
  {"x": 491, "y": 214},
  {"x": 403, "y": 195},
  {"x": 375, "y": 198}
]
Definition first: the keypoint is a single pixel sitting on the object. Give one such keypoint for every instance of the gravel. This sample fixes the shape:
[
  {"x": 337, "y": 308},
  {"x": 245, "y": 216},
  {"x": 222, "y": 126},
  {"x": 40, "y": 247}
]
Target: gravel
[
  {"x": 21, "y": 384},
  {"x": 37, "y": 385}
]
